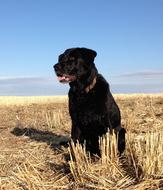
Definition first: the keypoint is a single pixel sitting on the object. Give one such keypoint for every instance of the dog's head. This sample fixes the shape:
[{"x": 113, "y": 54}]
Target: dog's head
[{"x": 75, "y": 64}]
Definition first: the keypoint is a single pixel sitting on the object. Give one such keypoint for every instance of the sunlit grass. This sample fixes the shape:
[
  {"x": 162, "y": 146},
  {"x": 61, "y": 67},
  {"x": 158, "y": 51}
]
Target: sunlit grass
[
  {"x": 25, "y": 100},
  {"x": 33, "y": 160}
]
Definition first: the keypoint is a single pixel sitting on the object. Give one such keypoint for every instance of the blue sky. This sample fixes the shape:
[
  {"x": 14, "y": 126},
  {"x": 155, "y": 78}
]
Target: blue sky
[{"x": 127, "y": 35}]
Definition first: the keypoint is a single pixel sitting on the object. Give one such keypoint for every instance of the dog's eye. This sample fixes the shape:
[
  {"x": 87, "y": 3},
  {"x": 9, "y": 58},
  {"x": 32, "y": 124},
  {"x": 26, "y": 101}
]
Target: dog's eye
[
  {"x": 72, "y": 59},
  {"x": 81, "y": 61}
]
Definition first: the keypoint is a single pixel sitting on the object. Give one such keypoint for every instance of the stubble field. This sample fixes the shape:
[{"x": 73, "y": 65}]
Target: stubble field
[{"x": 33, "y": 155}]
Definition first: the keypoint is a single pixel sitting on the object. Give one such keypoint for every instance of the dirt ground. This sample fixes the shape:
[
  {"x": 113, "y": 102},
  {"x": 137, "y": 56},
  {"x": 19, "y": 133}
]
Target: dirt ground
[{"x": 31, "y": 133}]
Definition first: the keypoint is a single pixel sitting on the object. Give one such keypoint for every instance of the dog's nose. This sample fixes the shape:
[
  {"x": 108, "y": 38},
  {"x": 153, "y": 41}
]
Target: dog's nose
[{"x": 56, "y": 67}]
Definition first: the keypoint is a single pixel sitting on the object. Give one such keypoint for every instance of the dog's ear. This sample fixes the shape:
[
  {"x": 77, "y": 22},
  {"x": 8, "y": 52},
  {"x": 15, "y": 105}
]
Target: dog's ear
[
  {"x": 60, "y": 57},
  {"x": 88, "y": 53}
]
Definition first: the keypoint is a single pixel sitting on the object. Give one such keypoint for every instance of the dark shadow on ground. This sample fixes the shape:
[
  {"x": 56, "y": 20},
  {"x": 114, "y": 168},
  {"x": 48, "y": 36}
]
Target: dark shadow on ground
[{"x": 55, "y": 141}]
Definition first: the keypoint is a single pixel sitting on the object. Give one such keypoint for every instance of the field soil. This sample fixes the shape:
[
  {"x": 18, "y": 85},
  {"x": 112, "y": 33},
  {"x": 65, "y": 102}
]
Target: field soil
[{"x": 33, "y": 135}]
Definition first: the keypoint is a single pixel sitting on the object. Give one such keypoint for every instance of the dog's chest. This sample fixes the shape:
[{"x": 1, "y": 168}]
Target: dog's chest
[
  {"x": 89, "y": 113},
  {"x": 88, "y": 107},
  {"x": 86, "y": 102}
]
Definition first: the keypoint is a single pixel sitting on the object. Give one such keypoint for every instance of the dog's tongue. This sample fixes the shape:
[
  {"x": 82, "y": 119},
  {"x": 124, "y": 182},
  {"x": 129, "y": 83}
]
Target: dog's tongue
[
  {"x": 61, "y": 78},
  {"x": 66, "y": 78}
]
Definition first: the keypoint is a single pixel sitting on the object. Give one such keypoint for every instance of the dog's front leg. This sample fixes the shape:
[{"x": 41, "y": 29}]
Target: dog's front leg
[
  {"x": 121, "y": 140},
  {"x": 76, "y": 134}
]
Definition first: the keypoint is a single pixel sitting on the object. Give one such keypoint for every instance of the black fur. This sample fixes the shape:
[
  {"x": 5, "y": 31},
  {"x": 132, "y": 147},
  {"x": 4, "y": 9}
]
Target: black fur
[{"x": 95, "y": 112}]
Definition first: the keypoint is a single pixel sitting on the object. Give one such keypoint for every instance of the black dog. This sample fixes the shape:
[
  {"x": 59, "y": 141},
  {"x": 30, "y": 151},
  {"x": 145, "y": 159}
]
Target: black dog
[{"x": 92, "y": 107}]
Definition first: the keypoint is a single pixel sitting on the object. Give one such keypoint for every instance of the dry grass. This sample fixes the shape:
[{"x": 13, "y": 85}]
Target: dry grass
[
  {"x": 142, "y": 162},
  {"x": 27, "y": 100},
  {"x": 31, "y": 157}
]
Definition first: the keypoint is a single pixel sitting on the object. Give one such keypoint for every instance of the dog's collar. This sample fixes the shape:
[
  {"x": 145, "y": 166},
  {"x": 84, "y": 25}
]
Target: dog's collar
[{"x": 89, "y": 87}]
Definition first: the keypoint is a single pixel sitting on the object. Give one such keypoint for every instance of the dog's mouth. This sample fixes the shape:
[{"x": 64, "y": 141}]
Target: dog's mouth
[{"x": 66, "y": 78}]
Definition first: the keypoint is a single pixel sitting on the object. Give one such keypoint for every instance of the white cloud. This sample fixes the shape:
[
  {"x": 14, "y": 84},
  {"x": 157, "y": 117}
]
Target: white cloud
[
  {"x": 129, "y": 83},
  {"x": 137, "y": 88},
  {"x": 24, "y": 80},
  {"x": 150, "y": 74},
  {"x": 139, "y": 78},
  {"x": 31, "y": 86}
]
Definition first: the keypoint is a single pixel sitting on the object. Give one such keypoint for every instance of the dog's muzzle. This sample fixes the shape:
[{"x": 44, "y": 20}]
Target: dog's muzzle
[{"x": 63, "y": 78}]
